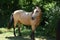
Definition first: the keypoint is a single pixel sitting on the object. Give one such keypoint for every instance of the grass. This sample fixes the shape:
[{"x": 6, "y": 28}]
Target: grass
[{"x": 6, "y": 34}]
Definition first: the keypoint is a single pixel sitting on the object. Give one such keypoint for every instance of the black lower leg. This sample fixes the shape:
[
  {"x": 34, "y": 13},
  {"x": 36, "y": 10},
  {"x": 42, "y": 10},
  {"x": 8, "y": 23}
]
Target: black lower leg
[
  {"x": 19, "y": 31},
  {"x": 32, "y": 35},
  {"x": 14, "y": 32}
]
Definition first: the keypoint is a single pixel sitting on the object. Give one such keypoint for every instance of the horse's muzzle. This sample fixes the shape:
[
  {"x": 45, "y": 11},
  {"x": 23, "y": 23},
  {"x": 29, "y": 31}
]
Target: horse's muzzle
[{"x": 33, "y": 18}]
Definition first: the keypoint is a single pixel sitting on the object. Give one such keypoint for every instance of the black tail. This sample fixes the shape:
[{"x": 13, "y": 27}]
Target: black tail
[{"x": 11, "y": 21}]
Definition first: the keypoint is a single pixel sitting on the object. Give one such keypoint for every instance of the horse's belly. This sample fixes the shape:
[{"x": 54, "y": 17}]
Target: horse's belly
[
  {"x": 25, "y": 19},
  {"x": 25, "y": 22}
]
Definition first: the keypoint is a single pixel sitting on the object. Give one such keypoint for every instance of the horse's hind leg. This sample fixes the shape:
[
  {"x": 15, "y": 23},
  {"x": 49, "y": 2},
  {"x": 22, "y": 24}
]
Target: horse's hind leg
[
  {"x": 19, "y": 30},
  {"x": 14, "y": 28},
  {"x": 14, "y": 31}
]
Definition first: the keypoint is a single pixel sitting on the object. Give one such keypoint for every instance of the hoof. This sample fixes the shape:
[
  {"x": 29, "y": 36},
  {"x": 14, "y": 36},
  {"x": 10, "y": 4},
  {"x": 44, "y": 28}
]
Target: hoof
[
  {"x": 14, "y": 35},
  {"x": 32, "y": 39}
]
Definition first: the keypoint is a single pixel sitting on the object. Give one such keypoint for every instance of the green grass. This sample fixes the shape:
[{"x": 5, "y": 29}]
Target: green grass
[{"x": 6, "y": 34}]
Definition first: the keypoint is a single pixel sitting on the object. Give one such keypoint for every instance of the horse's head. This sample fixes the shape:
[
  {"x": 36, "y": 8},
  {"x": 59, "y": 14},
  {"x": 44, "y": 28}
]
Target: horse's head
[{"x": 36, "y": 12}]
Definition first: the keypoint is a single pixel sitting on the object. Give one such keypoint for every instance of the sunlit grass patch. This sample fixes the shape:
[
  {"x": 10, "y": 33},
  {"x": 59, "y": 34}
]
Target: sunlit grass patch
[{"x": 3, "y": 30}]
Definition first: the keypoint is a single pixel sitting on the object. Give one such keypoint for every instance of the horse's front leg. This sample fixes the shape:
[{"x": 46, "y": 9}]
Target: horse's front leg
[{"x": 32, "y": 34}]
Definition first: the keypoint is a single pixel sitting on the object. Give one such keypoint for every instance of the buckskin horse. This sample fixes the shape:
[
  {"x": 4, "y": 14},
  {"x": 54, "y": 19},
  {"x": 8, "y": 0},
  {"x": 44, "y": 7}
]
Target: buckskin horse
[{"x": 27, "y": 18}]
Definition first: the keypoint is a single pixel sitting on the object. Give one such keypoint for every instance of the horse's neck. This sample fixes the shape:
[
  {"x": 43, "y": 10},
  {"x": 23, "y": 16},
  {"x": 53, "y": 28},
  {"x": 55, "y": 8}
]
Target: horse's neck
[{"x": 39, "y": 16}]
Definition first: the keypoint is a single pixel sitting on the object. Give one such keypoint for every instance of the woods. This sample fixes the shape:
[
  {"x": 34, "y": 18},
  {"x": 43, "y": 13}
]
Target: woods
[{"x": 50, "y": 10}]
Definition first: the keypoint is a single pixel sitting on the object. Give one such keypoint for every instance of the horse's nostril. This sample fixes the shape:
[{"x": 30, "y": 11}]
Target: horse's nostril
[{"x": 33, "y": 18}]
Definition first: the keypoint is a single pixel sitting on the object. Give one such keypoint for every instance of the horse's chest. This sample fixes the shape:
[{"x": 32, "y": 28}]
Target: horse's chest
[{"x": 35, "y": 22}]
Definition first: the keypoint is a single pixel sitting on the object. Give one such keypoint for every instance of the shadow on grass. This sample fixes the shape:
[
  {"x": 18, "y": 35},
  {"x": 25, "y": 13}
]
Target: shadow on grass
[
  {"x": 1, "y": 32},
  {"x": 24, "y": 37},
  {"x": 39, "y": 35},
  {"x": 42, "y": 36},
  {"x": 17, "y": 38}
]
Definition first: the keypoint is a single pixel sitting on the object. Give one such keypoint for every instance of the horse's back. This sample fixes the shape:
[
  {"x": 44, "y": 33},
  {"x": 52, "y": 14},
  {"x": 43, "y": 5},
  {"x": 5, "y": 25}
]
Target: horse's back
[
  {"x": 22, "y": 12},
  {"x": 18, "y": 11}
]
